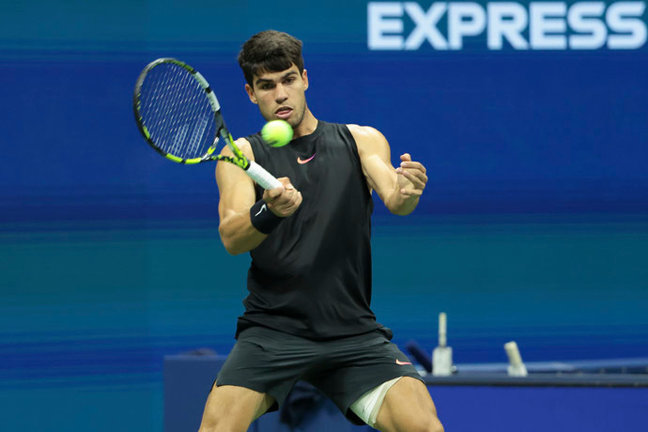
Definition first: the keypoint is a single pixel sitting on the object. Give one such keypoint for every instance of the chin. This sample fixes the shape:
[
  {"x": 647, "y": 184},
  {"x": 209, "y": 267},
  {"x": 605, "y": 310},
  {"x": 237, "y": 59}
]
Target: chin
[{"x": 295, "y": 121}]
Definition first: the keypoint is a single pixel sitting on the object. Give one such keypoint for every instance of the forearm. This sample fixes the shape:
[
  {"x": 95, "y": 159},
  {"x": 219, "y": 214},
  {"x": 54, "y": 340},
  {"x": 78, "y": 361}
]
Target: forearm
[
  {"x": 400, "y": 204},
  {"x": 244, "y": 223},
  {"x": 238, "y": 234},
  {"x": 399, "y": 188}
]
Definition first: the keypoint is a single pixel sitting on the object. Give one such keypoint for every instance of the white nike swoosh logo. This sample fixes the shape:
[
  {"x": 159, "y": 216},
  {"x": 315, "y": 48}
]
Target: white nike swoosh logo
[
  {"x": 263, "y": 207},
  {"x": 402, "y": 363},
  {"x": 303, "y": 161}
]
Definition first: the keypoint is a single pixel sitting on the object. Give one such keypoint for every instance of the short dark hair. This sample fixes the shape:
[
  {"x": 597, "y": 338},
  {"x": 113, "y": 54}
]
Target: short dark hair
[{"x": 270, "y": 51}]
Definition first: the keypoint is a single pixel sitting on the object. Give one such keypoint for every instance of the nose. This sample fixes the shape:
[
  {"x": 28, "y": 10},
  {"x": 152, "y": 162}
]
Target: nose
[{"x": 280, "y": 94}]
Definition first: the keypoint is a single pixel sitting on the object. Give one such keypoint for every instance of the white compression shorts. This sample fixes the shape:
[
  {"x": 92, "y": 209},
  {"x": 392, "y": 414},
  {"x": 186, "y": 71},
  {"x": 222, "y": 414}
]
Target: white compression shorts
[{"x": 368, "y": 405}]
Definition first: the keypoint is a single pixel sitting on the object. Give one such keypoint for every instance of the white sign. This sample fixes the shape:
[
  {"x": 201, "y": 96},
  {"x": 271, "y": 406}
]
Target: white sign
[{"x": 536, "y": 25}]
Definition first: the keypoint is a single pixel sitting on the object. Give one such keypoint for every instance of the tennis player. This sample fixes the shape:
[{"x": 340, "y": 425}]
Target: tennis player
[{"x": 307, "y": 316}]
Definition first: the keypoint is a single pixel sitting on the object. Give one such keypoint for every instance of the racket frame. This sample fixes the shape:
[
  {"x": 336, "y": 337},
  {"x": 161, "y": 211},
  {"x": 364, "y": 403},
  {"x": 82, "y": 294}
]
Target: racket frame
[{"x": 254, "y": 170}]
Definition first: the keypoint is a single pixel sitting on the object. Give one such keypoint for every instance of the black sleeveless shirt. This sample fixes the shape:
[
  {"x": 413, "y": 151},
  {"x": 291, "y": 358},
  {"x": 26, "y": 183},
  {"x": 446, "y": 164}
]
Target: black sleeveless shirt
[{"x": 311, "y": 276}]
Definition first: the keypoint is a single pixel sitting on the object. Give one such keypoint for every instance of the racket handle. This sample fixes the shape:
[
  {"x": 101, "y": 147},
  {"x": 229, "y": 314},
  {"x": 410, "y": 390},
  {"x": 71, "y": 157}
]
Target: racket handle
[{"x": 262, "y": 177}]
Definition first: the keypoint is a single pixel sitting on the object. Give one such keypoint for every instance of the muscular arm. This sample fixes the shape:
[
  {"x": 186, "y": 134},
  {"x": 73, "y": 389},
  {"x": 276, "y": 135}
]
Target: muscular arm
[
  {"x": 399, "y": 188},
  {"x": 237, "y": 195}
]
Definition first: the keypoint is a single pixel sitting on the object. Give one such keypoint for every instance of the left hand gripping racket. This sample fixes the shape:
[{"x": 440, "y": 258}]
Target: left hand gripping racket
[{"x": 179, "y": 116}]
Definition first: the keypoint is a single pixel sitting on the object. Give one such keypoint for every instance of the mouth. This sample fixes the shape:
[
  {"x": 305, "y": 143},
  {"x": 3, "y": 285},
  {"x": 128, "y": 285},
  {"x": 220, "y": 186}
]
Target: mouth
[{"x": 283, "y": 112}]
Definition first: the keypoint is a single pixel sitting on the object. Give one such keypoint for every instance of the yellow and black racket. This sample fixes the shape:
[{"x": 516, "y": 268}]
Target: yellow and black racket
[{"x": 180, "y": 117}]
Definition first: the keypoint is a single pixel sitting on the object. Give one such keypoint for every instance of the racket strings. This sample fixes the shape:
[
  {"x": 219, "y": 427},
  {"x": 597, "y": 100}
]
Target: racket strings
[{"x": 176, "y": 112}]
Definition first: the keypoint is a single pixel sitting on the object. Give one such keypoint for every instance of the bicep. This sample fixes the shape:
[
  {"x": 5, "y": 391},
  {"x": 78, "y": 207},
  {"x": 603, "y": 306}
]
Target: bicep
[{"x": 375, "y": 157}]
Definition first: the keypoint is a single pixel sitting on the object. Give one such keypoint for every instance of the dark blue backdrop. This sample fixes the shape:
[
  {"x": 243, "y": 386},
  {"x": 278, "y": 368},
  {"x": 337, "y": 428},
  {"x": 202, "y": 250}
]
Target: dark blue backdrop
[{"x": 500, "y": 133}]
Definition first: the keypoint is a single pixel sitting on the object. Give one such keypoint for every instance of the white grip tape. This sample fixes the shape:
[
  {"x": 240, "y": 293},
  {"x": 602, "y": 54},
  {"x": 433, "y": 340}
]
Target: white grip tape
[{"x": 262, "y": 177}]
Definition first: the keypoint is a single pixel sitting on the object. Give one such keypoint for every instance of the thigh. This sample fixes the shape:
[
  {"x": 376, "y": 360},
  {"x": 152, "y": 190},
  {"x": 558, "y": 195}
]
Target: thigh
[
  {"x": 266, "y": 361},
  {"x": 233, "y": 408},
  {"x": 408, "y": 407},
  {"x": 357, "y": 365}
]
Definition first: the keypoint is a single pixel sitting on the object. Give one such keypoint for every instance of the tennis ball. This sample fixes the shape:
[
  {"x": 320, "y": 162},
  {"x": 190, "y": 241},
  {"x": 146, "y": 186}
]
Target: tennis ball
[{"x": 277, "y": 133}]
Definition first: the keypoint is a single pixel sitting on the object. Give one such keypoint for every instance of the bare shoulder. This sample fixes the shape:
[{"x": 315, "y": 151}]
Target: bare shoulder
[
  {"x": 368, "y": 139},
  {"x": 228, "y": 174},
  {"x": 364, "y": 132},
  {"x": 244, "y": 145}
]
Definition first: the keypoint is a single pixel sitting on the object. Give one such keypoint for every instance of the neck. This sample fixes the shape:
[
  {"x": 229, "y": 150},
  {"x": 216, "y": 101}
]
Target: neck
[{"x": 307, "y": 126}]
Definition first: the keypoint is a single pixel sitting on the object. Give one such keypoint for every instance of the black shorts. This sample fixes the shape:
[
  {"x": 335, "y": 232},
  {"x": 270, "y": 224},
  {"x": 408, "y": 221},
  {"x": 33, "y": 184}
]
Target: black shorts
[{"x": 271, "y": 362}]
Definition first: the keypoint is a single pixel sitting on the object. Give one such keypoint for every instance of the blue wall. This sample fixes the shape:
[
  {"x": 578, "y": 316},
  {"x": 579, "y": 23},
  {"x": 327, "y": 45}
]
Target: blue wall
[{"x": 533, "y": 227}]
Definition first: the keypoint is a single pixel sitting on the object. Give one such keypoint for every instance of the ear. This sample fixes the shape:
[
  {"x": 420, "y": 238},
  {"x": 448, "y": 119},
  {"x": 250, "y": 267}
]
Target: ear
[
  {"x": 250, "y": 91},
  {"x": 305, "y": 79}
]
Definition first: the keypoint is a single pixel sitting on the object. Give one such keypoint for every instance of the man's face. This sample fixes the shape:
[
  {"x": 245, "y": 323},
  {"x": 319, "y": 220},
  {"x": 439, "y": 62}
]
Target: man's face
[{"x": 280, "y": 95}]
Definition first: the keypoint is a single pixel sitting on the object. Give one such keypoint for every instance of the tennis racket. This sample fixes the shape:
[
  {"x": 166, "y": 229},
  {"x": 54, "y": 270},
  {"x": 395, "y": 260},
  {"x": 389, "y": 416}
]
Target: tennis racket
[{"x": 179, "y": 116}]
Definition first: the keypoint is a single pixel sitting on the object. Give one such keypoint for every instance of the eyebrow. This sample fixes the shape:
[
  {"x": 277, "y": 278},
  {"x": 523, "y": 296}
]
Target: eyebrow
[{"x": 260, "y": 81}]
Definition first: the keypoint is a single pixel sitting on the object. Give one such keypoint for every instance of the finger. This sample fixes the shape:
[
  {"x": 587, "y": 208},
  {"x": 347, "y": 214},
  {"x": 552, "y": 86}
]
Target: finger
[
  {"x": 413, "y": 165},
  {"x": 288, "y": 204},
  {"x": 274, "y": 193},
  {"x": 411, "y": 192},
  {"x": 296, "y": 201},
  {"x": 279, "y": 210},
  {"x": 411, "y": 174},
  {"x": 415, "y": 176},
  {"x": 416, "y": 181},
  {"x": 406, "y": 157},
  {"x": 294, "y": 204},
  {"x": 287, "y": 198},
  {"x": 285, "y": 186},
  {"x": 284, "y": 181}
]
